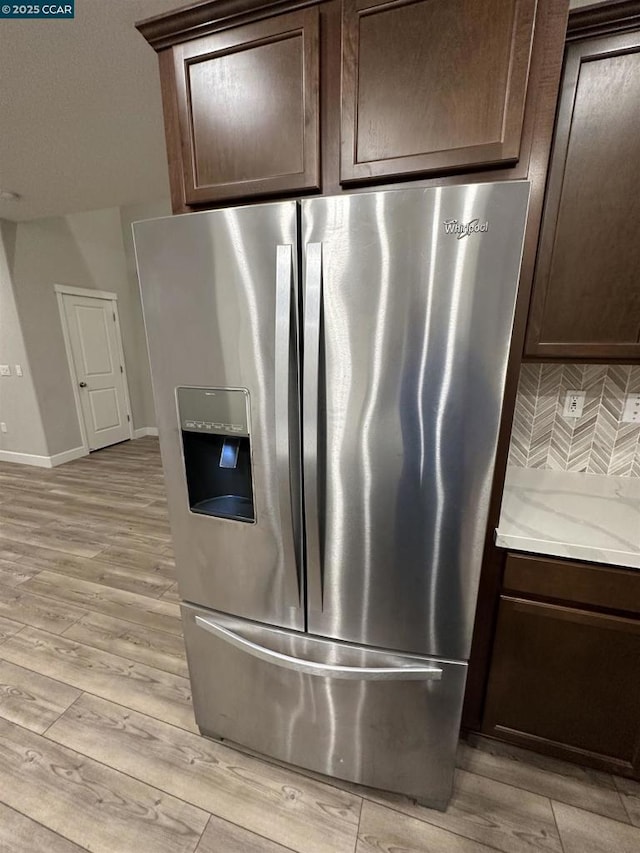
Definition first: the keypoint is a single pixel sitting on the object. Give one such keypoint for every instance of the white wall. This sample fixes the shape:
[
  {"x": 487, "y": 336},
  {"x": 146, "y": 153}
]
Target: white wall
[
  {"x": 82, "y": 250},
  {"x": 19, "y": 408}
]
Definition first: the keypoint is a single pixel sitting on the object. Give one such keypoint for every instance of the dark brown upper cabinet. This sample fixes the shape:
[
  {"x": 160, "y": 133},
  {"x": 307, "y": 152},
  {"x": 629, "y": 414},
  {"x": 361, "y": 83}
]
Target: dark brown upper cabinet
[
  {"x": 586, "y": 297},
  {"x": 248, "y": 109},
  {"x": 281, "y": 97},
  {"x": 433, "y": 85}
]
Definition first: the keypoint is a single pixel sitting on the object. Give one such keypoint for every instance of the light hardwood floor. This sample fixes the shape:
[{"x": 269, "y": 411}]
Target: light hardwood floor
[{"x": 98, "y": 746}]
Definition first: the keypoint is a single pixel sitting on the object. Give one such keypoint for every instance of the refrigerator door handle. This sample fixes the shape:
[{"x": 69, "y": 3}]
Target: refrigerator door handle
[
  {"x": 407, "y": 672},
  {"x": 284, "y": 284},
  {"x": 310, "y": 412}
]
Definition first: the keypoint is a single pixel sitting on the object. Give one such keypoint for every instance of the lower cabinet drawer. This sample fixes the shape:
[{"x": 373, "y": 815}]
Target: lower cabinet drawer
[
  {"x": 577, "y": 583},
  {"x": 566, "y": 677}
]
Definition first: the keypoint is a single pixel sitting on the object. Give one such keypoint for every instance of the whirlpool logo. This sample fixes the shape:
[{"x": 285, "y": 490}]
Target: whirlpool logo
[{"x": 464, "y": 229}]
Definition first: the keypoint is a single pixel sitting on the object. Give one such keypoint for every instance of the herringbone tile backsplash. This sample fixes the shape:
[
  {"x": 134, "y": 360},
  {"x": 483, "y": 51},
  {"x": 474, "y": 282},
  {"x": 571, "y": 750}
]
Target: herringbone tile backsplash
[{"x": 597, "y": 442}]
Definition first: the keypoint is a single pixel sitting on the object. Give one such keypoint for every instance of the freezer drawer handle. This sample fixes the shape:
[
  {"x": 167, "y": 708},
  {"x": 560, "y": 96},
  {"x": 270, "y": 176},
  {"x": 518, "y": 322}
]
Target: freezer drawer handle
[{"x": 360, "y": 673}]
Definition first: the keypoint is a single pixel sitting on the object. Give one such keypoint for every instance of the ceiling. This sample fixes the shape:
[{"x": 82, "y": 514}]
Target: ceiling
[{"x": 80, "y": 111}]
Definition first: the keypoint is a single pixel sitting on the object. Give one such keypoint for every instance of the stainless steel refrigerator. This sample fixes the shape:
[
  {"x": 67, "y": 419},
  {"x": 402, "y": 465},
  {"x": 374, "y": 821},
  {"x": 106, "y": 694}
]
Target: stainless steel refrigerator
[{"x": 328, "y": 377}]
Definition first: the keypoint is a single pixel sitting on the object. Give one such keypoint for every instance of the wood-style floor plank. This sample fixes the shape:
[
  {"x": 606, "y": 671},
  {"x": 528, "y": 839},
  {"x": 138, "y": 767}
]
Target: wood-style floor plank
[
  {"x": 482, "y": 810},
  {"x": 13, "y": 574},
  {"x": 107, "y": 493},
  {"x": 144, "y": 561},
  {"x": 135, "y": 642},
  {"x": 585, "y": 832},
  {"x": 383, "y": 830},
  {"x": 558, "y": 780},
  {"x": 139, "y": 542},
  {"x": 630, "y": 792},
  {"x": 8, "y": 628},
  {"x": 80, "y": 511},
  {"x": 71, "y": 521},
  {"x": 220, "y": 835},
  {"x": 25, "y": 515},
  {"x": 94, "y": 570},
  {"x": 90, "y": 804},
  {"x": 171, "y": 594},
  {"x": 21, "y": 605},
  {"x": 30, "y": 699},
  {"x": 279, "y": 804},
  {"x": 135, "y": 685},
  {"x": 148, "y": 520},
  {"x": 22, "y": 476},
  {"x": 160, "y": 615},
  {"x": 82, "y": 543},
  {"x": 20, "y": 834},
  {"x": 12, "y": 551}
]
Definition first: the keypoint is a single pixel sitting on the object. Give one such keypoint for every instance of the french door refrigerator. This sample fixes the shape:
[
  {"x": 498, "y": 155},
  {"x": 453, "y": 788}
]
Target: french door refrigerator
[{"x": 328, "y": 377}]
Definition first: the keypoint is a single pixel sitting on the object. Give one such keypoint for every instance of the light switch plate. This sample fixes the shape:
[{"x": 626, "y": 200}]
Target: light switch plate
[
  {"x": 574, "y": 404},
  {"x": 631, "y": 413},
  {"x": 18, "y": 370},
  {"x": 5, "y": 370}
]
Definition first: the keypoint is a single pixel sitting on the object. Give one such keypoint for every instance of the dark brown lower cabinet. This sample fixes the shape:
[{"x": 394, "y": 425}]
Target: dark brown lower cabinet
[{"x": 566, "y": 681}]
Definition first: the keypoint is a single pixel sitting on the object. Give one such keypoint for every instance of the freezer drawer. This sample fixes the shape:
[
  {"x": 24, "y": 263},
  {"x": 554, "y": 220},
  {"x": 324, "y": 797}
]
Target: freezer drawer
[{"x": 378, "y": 718}]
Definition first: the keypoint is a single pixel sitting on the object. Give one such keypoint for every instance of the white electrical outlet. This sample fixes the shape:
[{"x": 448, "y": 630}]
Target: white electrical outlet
[
  {"x": 574, "y": 404},
  {"x": 18, "y": 370},
  {"x": 3, "y": 427},
  {"x": 631, "y": 413},
  {"x": 5, "y": 370}
]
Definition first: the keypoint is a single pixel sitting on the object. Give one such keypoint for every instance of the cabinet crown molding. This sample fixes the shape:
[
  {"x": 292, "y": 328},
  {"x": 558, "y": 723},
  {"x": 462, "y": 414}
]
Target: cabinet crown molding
[
  {"x": 211, "y": 16},
  {"x": 614, "y": 16}
]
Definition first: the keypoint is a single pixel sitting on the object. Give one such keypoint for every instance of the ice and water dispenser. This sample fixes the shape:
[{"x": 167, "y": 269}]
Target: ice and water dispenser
[{"x": 217, "y": 451}]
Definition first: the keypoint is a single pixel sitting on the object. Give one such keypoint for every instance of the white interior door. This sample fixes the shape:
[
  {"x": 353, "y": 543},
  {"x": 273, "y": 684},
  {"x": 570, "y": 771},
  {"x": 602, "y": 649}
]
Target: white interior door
[{"x": 95, "y": 349}]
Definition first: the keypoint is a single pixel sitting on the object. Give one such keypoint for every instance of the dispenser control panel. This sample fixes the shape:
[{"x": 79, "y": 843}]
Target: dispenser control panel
[{"x": 222, "y": 411}]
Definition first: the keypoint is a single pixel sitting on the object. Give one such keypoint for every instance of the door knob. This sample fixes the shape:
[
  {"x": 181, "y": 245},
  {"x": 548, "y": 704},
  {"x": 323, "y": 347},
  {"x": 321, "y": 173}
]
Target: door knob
[{"x": 83, "y": 384}]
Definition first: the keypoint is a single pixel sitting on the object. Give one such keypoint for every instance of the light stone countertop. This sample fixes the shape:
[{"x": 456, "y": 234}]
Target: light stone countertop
[{"x": 580, "y": 516}]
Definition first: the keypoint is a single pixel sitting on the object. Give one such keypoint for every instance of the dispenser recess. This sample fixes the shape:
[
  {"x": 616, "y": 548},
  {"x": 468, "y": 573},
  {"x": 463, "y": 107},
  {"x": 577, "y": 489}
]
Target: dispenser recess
[{"x": 214, "y": 424}]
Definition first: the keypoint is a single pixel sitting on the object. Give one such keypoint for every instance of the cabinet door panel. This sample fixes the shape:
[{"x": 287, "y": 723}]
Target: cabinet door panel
[
  {"x": 249, "y": 109},
  {"x": 433, "y": 85},
  {"x": 565, "y": 677},
  {"x": 587, "y": 291}
]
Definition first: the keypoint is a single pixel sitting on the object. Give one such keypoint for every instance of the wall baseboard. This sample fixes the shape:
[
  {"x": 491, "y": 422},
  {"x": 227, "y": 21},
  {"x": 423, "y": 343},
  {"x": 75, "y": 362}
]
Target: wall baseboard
[
  {"x": 42, "y": 461},
  {"x": 67, "y": 456},
  {"x": 60, "y": 458},
  {"x": 25, "y": 458},
  {"x": 143, "y": 431}
]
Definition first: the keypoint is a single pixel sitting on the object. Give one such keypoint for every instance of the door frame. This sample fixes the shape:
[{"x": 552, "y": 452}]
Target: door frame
[{"x": 61, "y": 290}]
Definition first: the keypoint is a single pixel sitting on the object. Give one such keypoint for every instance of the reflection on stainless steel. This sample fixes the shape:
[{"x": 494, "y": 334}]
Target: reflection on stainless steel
[
  {"x": 417, "y": 325},
  {"x": 282, "y": 383},
  {"x": 396, "y": 734},
  {"x": 209, "y": 295},
  {"x": 360, "y": 577},
  {"x": 310, "y": 390}
]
